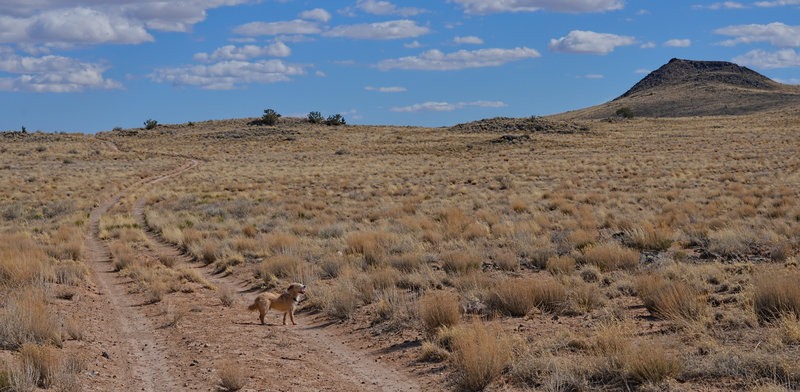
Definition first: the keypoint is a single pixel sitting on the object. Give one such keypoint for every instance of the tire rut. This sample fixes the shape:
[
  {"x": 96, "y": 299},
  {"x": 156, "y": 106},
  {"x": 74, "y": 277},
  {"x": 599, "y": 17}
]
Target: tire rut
[{"x": 354, "y": 367}]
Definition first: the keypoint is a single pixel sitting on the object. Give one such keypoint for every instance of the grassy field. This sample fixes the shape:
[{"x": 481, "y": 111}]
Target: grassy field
[{"x": 651, "y": 254}]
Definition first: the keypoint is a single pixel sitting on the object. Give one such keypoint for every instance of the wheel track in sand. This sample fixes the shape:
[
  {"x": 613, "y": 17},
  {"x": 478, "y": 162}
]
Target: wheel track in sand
[
  {"x": 357, "y": 367},
  {"x": 145, "y": 357}
]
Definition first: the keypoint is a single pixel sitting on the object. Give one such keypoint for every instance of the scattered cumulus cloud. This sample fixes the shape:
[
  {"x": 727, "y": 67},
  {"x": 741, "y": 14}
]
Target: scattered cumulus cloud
[
  {"x": 648, "y": 45},
  {"x": 678, "y": 43},
  {"x": 297, "y": 26},
  {"x": 52, "y": 74},
  {"x": 776, "y": 33},
  {"x": 784, "y": 58},
  {"x": 386, "y": 8},
  {"x": 247, "y": 52},
  {"x": 446, "y": 107},
  {"x": 484, "y": 7},
  {"x": 642, "y": 71},
  {"x": 470, "y": 40},
  {"x": 317, "y": 14},
  {"x": 413, "y": 45},
  {"x": 435, "y": 60},
  {"x": 320, "y": 74},
  {"x": 589, "y": 42},
  {"x": 394, "y": 29},
  {"x": 776, "y": 3},
  {"x": 728, "y": 5},
  {"x": 394, "y": 89},
  {"x": 227, "y": 75},
  {"x": 593, "y": 76}
]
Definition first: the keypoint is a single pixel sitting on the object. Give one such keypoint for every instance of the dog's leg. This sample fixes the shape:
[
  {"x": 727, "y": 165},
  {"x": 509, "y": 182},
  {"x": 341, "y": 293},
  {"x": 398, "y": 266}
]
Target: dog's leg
[
  {"x": 291, "y": 316},
  {"x": 284, "y": 318},
  {"x": 261, "y": 315}
]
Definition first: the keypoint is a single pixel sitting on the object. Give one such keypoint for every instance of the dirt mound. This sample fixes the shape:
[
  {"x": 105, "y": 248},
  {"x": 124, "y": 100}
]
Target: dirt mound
[
  {"x": 516, "y": 125},
  {"x": 686, "y": 88}
]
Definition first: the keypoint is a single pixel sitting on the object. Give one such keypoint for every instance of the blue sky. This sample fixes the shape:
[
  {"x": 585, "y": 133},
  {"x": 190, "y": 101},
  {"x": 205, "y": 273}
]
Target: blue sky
[{"x": 92, "y": 65}]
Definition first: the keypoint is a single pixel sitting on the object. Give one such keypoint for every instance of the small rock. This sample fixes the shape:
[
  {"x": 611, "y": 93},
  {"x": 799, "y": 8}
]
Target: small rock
[{"x": 105, "y": 355}]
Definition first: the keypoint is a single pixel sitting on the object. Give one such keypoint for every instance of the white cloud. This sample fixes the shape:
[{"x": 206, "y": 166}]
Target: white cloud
[
  {"x": 589, "y": 42},
  {"x": 59, "y": 22},
  {"x": 776, "y": 33},
  {"x": 776, "y": 3},
  {"x": 320, "y": 74},
  {"x": 446, "y": 107},
  {"x": 393, "y": 29},
  {"x": 648, "y": 45},
  {"x": 317, "y": 14},
  {"x": 784, "y": 58},
  {"x": 386, "y": 8},
  {"x": 678, "y": 43},
  {"x": 413, "y": 45},
  {"x": 789, "y": 81},
  {"x": 386, "y": 89},
  {"x": 435, "y": 60},
  {"x": 642, "y": 71},
  {"x": 730, "y": 5},
  {"x": 247, "y": 52},
  {"x": 593, "y": 76},
  {"x": 483, "y": 7},
  {"x": 228, "y": 75},
  {"x": 297, "y": 26},
  {"x": 50, "y": 73},
  {"x": 471, "y": 40}
]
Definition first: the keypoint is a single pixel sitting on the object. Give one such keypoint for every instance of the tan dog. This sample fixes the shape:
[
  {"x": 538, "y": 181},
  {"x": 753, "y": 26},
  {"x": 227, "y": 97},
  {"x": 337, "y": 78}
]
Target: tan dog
[{"x": 285, "y": 302}]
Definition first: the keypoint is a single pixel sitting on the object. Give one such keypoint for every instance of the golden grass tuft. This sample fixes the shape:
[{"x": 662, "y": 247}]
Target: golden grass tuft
[
  {"x": 672, "y": 300},
  {"x": 45, "y": 360},
  {"x": 232, "y": 376},
  {"x": 460, "y": 262},
  {"x": 439, "y": 309},
  {"x": 21, "y": 261},
  {"x": 516, "y": 297},
  {"x": 227, "y": 296},
  {"x": 560, "y": 265},
  {"x": 481, "y": 352},
  {"x": 649, "y": 237},
  {"x": 776, "y": 293},
  {"x": 650, "y": 362},
  {"x": 610, "y": 257},
  {"x": 282, "y": 243},
  {"x": 506, "y": 261},
  {"x": 26, "y": 318},
  {"x": 280, "y": 266}
]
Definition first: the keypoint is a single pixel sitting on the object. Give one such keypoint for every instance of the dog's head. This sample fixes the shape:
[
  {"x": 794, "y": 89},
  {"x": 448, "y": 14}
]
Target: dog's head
[{"x": 296, "y": 289}]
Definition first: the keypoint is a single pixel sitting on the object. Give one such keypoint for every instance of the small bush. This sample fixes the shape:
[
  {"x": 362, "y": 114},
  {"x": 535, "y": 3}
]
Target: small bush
[
  {"x": 561, "y": 265},
  {"x": 460, "y": 262},
  {"x": 439, "y": 309},
  {"x": 516, "y": 297},
  {"x": 280, "y": 266},
  {"x": 150, "y": 124},
  {"x": 480, "y": 354},
  {"x": 650, "y": 237},
  {"x": 651, "y": 363},
  {"x": 226, "y": 295},
  {"x": 315, "y": 117},
  {"x": 335, "y": 120},
  {"x": 26, "y": 318},
  {"x": 232, "y": 376},
  {"x": 46, "y": 361},
  {"x": 506, "y": 261},
  {"x": 776, "y": 294},
  {"x": 270, "y": 117},
  {"x": 339, "y": 301},
  {"x": 624, "y": 112}
]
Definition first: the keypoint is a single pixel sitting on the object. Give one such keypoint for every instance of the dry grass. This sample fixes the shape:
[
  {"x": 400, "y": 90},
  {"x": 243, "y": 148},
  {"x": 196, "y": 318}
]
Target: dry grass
[
  {"x": 776, "y": 293},
  {"x": 460, "y": 262},
  {"x": 671, "y": 300},
  {"x": 652, "y": 363},
  {"x": 232, "y": 376},
  {"x": 26, "y": 318},
  {"x": 227, "y": 296},
  {"x": 280, "y": 266},
  {"x": 516, "y": 297},
  {"x": 439, "y": 309},
  {"x": 561, "y": 265},
  {"x": 21, "y": 261},
  {"x": 649, "y": 237},
  {"x": 609, "y": 257},
  {"x": 481, "y": 352},
  {"x": 45, "y": 360}
]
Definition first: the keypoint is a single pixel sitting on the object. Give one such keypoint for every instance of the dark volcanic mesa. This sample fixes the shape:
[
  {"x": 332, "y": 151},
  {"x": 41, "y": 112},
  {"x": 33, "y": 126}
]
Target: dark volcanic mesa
[{"x": 683, "y": 88}]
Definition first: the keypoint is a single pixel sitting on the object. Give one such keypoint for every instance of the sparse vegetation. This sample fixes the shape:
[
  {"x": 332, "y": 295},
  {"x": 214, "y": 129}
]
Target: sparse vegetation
[
  {"x": 624, "y": 112},
  {"x": 315, "y": 118},
  {"x": 335, "y": 120},
  {"x": 270, "y": 117},
  {"x": 150, "y": 124}
]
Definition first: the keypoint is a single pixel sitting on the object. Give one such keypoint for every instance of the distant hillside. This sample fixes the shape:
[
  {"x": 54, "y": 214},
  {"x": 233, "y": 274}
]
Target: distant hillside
[{"x": 683, "y": 88}]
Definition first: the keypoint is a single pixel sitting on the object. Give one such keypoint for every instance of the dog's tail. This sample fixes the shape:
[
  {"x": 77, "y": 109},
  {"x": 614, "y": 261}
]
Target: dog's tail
[{"x": 254, "y": 306}]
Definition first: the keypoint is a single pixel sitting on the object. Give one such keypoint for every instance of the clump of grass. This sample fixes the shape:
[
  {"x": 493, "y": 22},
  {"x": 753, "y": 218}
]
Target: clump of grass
[
  {"x": 610, "y": 257},
  {"x": 26, "y": 318},
  {"x": 582, "y": 238},
  {"x": 232, "y": 376},
  {"x": 652, "y": 363},
  {"x": 249, "y": 231},
  {"x": 460, "y": 262},
  {"x": 339, "y": 301},
  {"x": 282, "y": 243},
  {"x": 516, "y": 297},
  {"x": 776, "y": 293},
  {"x": 227, "y": 296},
  {"x": 672, "y": 300},
  {"x": 280, "y": 266},
  {"x": 439, "y": 309},
  {"x": 432, "y": 352},
  {"x": 560, "y": 265},
  {"x": 45, "y": 360},
  {"x": 70, "y": 272},
  {"x": 586, "y": 296},
  {"x": 650, "y": 237},
  {"x": 481, "y": 352},
  {"x": 506, "y": 261},
  {"x": 124, "y": 256},
  {"x": 22, "y": 261},
  {"x": 789, "y": 325},
  {"x": 407, "y": 263}
]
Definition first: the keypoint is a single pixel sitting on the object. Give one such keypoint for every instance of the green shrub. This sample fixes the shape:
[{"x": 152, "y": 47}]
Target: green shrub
[
  {"x": 270, "y": 117},
  {"x": 315, "y": 117},
  {"x": 335, "y": 120},
  {"x": 150, "y": 123},
  {"x": 624, "y": 112}
]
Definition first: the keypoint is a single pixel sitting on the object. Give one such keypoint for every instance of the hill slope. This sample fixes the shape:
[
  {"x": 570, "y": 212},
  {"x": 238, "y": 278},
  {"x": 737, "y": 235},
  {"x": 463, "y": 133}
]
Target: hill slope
[{"x": 683, "y": 88}]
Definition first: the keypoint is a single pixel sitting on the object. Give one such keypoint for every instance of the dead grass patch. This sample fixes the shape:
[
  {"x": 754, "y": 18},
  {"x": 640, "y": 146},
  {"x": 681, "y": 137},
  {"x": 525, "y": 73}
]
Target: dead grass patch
[
  {"x": 516, "y": 297},
  {"x": 26, "y": 318},
  {"x": 610, "y": 257},
  {"x": 672, "y": 300},
  {"x": 232, "y": 376},
  {"x": 439, "y": 309},
  {"x": 776, "y": 293},
  {"x": 460, "y": 262},
  {"x": 481, "y": 352}
]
